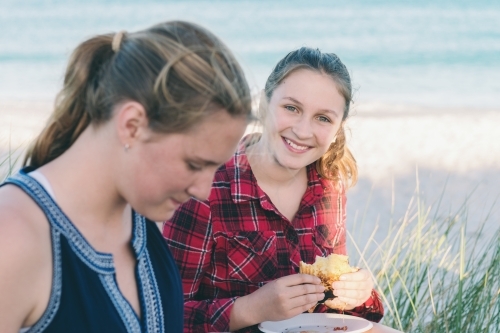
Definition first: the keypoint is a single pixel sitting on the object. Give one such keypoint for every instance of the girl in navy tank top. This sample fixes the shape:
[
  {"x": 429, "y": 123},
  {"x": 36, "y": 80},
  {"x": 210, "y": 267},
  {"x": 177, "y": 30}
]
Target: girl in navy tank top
[{"x": 141, "y": 124}]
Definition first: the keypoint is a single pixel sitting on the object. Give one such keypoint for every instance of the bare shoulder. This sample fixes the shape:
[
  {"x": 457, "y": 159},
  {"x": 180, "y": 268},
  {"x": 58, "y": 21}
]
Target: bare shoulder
[
  {"x": 20, "y": 218},
  {"x": 25, "y": 258}
]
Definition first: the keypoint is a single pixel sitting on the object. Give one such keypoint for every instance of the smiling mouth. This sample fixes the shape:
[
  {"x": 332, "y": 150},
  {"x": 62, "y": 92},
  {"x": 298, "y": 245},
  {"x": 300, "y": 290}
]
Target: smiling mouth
[{"x": 296, "y": 146}]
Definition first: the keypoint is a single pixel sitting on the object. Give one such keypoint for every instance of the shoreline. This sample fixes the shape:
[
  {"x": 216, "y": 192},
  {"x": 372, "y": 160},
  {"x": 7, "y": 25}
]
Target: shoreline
[
  {"x": 386, "y": 140},
  {"x": 375, "y": 109},
  {"x": 449, "y": 156}
]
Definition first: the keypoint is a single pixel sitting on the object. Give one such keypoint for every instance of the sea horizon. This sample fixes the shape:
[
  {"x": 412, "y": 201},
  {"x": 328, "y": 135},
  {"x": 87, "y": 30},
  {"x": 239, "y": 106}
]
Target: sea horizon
[{"x": 426, "y": 54}]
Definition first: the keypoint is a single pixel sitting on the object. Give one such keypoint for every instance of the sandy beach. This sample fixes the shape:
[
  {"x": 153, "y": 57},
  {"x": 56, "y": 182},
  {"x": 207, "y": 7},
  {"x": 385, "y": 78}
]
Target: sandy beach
[
  {"x": 454, "y": 152},
  {"x": 449, "y": 157}
]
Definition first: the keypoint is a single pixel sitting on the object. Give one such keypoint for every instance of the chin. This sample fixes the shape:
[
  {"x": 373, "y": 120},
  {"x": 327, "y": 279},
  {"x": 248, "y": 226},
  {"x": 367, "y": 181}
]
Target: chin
[
  {"x": 290, "y": 163},
  {"x": 159, "y": 216},
  {"x": 169, "y": 215}
]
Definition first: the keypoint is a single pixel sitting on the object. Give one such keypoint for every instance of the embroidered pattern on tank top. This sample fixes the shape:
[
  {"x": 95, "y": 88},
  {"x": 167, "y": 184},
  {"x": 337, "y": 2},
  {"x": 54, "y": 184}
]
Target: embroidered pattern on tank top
[{"x": 101, "y": 263}]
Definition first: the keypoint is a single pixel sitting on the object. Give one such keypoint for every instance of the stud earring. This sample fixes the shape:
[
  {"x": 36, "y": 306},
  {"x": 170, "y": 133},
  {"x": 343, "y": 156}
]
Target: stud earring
[{"x": 126, "y": 147}]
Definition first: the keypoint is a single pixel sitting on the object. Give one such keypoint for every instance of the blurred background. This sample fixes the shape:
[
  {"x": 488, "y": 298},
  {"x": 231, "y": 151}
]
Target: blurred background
[
  {"x": 426, "y": 76},
  {"x": 438, "y": 53}
]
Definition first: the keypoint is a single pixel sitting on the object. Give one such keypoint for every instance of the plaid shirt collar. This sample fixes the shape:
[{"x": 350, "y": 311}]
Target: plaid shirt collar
[{"x": 244, "y": 185}]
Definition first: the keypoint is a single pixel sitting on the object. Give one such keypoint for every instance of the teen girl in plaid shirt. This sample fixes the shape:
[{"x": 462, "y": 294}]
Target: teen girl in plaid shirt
[{"x": 279, "y": 200}]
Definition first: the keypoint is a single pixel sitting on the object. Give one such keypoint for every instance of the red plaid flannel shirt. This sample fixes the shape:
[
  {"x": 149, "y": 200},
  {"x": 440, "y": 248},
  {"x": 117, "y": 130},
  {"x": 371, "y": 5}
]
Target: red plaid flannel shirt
[{"x": 236, "y": 241}]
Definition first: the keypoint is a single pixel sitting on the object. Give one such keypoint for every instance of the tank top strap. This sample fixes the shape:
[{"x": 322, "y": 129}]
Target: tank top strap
[
  {"x": 100, "y": 262},
  {"x": 22, "y": 181}
]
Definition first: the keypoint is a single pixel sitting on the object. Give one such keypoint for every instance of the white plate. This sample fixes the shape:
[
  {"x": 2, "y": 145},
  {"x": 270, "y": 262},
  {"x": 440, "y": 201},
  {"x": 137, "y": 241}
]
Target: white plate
[{"x": 317, "y": 322}]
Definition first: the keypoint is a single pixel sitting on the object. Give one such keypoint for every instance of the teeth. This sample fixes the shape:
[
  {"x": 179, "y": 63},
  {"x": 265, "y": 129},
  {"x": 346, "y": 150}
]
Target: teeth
[{"x": 295, "y": 146}]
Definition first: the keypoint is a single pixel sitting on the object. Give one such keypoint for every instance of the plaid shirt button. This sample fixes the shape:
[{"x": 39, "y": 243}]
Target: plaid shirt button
[{"x": 292, "y": 237}]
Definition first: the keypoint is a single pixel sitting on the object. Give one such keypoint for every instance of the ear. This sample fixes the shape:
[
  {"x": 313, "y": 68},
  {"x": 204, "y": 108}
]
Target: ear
[{"x": 131, "y": 122}]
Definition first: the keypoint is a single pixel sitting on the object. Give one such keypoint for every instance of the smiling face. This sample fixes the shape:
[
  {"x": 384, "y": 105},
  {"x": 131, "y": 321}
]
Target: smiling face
[
  {"x": 166, "y": 170},
  {"x": 304, "y": 115}
]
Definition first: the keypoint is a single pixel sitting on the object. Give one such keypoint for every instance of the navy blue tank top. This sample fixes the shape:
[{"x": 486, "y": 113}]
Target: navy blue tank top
[{"x": 85, "y": 296}]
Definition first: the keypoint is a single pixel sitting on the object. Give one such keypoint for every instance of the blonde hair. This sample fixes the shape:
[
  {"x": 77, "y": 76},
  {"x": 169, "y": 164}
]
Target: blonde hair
[
  {"x": 177, "y": 71},
  {"x": 338, "y": 163}
]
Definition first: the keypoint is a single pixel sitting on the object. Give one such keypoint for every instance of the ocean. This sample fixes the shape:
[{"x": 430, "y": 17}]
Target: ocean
[{"x": 430, "y": 53}]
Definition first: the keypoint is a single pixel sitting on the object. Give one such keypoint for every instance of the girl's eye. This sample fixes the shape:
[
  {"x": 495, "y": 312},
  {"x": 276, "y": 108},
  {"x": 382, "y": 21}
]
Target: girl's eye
[
  {"x": 324, "y": 119},
  {"x": 194, "y": 167},
  {"x": 291, "y": 108}
]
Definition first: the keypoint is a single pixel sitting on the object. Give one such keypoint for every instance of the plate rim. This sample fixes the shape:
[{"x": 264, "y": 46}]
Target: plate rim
[{"x": 332, "y": 315}]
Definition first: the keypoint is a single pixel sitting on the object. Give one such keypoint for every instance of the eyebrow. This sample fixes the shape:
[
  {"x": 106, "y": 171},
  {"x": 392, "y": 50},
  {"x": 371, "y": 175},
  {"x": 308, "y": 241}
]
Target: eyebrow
[{"x": 300, "y": 104}]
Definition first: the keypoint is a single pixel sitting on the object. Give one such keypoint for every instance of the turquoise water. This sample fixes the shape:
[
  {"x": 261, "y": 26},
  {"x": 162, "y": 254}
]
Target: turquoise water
[{"x": 429, "y": 53}]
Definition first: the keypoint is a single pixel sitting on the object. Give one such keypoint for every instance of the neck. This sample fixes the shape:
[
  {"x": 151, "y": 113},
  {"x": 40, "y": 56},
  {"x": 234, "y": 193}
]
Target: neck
[
  {"x": 83, "y": 182},
  {"x": 267, "y": 168}
]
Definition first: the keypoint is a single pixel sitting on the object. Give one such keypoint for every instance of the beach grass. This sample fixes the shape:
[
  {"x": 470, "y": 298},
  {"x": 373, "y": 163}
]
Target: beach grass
[
  {"x": 432, "y": 274},
  {"x": 9, "y": 163}
]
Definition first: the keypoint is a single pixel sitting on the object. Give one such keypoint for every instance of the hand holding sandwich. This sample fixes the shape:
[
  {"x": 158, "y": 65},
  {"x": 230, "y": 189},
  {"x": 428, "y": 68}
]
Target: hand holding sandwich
[
  {"x": 352, "y": 290},
  {"x": 280, "y": 299},
  {"x": 351, "y": 286}
]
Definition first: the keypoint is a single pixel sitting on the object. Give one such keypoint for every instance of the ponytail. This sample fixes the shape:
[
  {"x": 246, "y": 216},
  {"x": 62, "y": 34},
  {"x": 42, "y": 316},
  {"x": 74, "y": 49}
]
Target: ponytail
[
  {"x": 338, "y": 163},
  {"x": 178, "y": 71},
  {"x": 70, "y": 116}
]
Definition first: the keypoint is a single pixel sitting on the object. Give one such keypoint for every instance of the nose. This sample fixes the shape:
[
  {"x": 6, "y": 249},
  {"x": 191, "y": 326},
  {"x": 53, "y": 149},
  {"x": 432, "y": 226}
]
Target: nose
[
  {"x": 302, "y": 128},
  {"x": 201, "y": 187}
]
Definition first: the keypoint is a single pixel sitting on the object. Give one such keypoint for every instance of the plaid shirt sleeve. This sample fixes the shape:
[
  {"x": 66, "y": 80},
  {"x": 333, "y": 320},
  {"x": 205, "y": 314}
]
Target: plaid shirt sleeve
[
  {"x": 237, "y": 241},
  {"x": 189, "y": 235},
  {"x": 373, "y": 308}
]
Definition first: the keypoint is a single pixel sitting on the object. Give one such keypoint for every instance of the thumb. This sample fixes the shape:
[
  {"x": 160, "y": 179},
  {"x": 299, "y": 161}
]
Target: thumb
[{"x": 335, "y": 303}]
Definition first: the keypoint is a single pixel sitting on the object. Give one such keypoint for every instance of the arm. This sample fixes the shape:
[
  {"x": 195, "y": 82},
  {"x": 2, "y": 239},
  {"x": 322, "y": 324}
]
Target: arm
[
  {"x": 189, "y": 234},
  {"x": 355, "y": 293},
  {"x": 25, "y": 256},
  {"x": 280, "y": 299}
]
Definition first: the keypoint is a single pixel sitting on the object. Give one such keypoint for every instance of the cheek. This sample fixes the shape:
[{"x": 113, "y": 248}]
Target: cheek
[
  {"x": 326, "y": 134},
  {"x": 154, "y": 175},
  {"x": 277, "y": 119},
  {"x": 280, "y": 127}
]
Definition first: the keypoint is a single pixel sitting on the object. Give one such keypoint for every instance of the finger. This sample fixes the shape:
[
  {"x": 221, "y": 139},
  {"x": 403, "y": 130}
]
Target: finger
[
  {"x": 296, "y": 279},
  {"x": 360, "y": 275},
  {"x": 338, "y": 304},
  {"x": 305, "y": 299},
  {"x": 300, "y": 309},
  {"x": 305, "y": 289},
  {"x": 353, "y": 285},
  {"x": 349, "y": 302},
  {"x": 361, "y": 295}
]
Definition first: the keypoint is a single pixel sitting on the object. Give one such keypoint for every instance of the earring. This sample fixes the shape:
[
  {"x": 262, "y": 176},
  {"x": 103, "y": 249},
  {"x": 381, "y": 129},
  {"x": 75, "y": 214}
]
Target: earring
[{"x": 126, "y": 147}]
